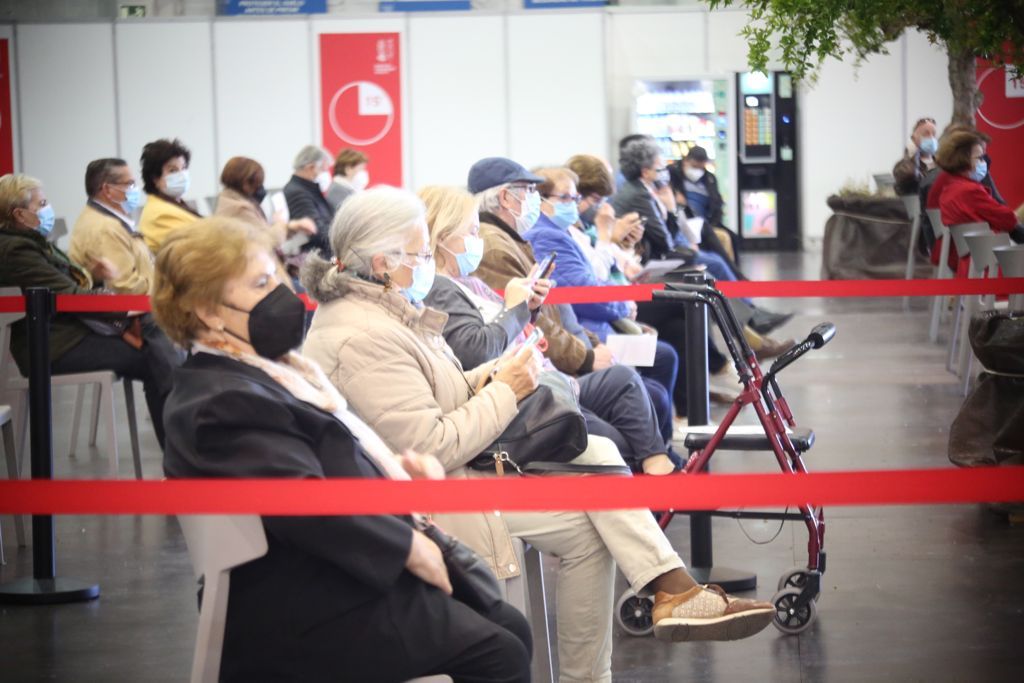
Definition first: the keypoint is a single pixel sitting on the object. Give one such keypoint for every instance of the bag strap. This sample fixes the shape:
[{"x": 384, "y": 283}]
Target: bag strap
[{"x": 540, "y": 468}]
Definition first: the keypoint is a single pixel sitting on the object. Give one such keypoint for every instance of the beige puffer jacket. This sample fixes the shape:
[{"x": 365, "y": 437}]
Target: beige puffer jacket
[{"x": 391, "y": 363}]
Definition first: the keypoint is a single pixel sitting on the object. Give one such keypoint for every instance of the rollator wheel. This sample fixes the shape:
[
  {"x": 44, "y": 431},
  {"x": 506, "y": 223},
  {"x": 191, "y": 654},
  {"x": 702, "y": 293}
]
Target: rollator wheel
[
  {"x": 795, "y": 578},
  {"x": 633, "y": 614},
  {"x": 790, "y": 619}
]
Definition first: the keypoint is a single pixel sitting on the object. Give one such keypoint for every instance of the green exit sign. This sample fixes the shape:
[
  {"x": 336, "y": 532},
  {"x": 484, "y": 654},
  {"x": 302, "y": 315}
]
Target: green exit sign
[{"x": 132, "y": 11}]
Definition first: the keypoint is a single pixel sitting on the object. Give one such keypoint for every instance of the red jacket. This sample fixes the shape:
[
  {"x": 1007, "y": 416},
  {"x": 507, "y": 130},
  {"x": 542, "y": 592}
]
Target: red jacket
[{"x": 962, "y": 200}]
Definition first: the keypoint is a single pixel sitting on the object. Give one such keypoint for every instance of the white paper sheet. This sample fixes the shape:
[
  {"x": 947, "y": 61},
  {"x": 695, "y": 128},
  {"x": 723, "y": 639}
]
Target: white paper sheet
[
  {"x": 655, "y": 269},
  {"x": 633, "y": 349}
]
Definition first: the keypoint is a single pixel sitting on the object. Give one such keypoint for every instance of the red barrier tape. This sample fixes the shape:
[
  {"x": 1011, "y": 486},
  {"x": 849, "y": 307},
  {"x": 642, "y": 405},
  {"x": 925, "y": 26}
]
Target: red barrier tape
[
  {"x": 360, "y": 496},
  {"x": 104, "y": 303}
]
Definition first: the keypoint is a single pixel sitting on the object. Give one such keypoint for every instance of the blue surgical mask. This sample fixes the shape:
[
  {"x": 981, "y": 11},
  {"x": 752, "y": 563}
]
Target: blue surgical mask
[
  {"x": 422, "y": 281},
  {"x": 132, "y": 199},
  {"x": 470, "y": 260},
  {"x": 979, "y": 171},
  {"x": 529, "y": 212},
  {"x": 46, "y": 220},
  {"x": 928, "y": 147},
  {"x": 177, "y": 184},
  {"x": 566, "y": 214}
]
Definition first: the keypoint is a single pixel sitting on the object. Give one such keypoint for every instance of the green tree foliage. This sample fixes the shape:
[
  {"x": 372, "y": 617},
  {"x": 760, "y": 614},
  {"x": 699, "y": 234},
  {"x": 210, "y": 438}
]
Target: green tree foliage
[{"x": 802, "y": 34}]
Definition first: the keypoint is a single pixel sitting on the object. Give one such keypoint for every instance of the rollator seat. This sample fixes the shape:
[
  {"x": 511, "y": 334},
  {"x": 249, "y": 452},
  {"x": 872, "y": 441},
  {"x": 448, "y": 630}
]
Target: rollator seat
[{"x": 744, "y": 438}]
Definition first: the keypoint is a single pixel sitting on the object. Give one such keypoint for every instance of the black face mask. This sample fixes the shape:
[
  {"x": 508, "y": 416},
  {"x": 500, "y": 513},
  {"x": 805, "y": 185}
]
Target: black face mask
[
  {"x": 276, "y": 324},
  {"x": 259, "y": 194}
]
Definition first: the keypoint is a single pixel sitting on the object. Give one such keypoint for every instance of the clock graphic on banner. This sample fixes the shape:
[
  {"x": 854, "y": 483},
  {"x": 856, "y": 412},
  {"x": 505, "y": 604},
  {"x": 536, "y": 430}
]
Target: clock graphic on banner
[{"x": 361, "y": 113}]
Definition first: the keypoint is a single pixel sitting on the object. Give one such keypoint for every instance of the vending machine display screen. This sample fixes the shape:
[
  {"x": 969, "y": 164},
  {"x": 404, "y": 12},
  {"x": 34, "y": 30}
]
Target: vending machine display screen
[
  {"x": 759, "y": 220},
  {"x": 758, "y": 126}
]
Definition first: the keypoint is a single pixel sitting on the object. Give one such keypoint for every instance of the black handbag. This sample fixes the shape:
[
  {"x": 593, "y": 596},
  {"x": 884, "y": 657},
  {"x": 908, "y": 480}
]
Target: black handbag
[
  {"x": 548, "y": 428},
  {"x": 473, "y": 582}
]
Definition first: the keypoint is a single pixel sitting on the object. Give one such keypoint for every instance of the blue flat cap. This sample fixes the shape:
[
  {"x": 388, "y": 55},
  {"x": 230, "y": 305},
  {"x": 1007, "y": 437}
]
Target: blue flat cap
[{"x": 494, "y": 171}]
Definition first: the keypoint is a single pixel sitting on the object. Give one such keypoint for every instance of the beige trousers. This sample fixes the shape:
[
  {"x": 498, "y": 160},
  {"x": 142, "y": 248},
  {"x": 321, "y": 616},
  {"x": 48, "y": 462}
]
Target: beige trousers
[{"x": 588, "y": 545}]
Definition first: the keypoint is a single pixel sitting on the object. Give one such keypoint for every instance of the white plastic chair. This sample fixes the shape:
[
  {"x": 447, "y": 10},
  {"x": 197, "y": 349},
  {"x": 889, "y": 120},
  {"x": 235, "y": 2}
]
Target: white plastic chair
[
  {"x": 957, "y": 232},
  {"x": 983, "y": 264},
  {"x": 942, "y": 270},
  {"x": 103, "y": 381},
  {"x": 1011, "y": 260},
  {"x": 7, "y": 429},
  {"x": 216, "y": 545},
  {"x": 913, "y": 205}
]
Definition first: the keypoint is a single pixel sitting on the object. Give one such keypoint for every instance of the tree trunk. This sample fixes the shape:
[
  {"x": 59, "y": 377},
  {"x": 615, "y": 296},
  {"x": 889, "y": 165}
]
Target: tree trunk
[{"x": 963, "y": 80}]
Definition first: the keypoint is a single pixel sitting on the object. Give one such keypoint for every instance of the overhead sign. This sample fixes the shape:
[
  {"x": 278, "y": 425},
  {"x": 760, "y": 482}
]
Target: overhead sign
[
  {"x": 272, "y": 7},
  {"x": 6, "y": 120},
  {"x": 361, "y": 100},
  {"x": 425, "y": 5},
  {"x": 554, "y": 4}
]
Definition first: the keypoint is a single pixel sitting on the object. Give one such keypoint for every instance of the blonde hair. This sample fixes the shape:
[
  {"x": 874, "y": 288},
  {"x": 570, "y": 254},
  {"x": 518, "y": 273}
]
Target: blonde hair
[
  {"x": 15, "y": 193},
  {"x": 552, "y": 176},
  {"x": 193, "y": 266},
  {"x": 448, "y": 209},
  {"x": 377, "y": 221}
]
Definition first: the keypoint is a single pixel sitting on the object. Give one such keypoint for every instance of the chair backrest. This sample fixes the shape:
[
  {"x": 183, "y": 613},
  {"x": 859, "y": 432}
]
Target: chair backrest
[
  {"x": 958, "y": 232},
  {"x": 912, "y": 203},
  {"x": 1011, "y": 260},
  {"x": 6, "y": 319},
  {"x": 935, "y": 218},
  {"x": 884, "y": 181},
  {"x": 981, "y": 245},
  {"x": 217, "y": 544}
]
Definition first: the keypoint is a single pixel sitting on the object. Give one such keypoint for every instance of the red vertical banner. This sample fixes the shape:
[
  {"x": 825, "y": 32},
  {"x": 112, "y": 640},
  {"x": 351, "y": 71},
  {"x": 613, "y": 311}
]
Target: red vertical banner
[
  {"x": 1001, "y": 115},
  {"x": 361, "y": 99},
  {"x": 6, "y": 120}
]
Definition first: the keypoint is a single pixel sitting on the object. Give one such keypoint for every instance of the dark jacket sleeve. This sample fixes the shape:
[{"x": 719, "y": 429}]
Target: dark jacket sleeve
[
  {"x": 301, "y": 204},
  {"x": 656, "y": 236},
  {"x": 26, "y": 266},
  {"x": 473, "y": 341},
  {"x": 242, "y": 433}
]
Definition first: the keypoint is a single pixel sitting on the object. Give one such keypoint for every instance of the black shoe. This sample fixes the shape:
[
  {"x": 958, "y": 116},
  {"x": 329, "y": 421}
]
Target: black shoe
[{"x": 764, "y": 321}]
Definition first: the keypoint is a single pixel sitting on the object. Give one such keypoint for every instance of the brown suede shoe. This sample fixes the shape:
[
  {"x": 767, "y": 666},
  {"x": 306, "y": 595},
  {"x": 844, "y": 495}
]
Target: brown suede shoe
[
  {"x": 707, "y": 613},
  {"x": 772, "y": 349}
]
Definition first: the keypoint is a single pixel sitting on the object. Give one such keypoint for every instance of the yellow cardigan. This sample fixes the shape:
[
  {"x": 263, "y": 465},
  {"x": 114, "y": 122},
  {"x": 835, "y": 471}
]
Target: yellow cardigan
[
  {"x": 160, "y": 218},
  {"x": 100, "y": 235}
]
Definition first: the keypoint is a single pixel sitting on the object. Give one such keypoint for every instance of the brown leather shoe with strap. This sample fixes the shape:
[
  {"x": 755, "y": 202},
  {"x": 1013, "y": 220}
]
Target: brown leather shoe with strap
[{"x": 708, "y": 613}]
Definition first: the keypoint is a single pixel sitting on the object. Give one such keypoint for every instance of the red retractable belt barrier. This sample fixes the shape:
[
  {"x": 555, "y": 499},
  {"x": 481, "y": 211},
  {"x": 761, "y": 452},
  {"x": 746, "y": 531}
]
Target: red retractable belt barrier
[
  {"x": 105, "y": 303},
  {"x": 362, "y": 496}
]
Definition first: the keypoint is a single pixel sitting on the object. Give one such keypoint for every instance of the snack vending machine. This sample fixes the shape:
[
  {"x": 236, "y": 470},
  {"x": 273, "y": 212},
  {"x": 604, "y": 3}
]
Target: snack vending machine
[
  {"x": 768, "y": 200},
  {"x": 691, "y": 111}
]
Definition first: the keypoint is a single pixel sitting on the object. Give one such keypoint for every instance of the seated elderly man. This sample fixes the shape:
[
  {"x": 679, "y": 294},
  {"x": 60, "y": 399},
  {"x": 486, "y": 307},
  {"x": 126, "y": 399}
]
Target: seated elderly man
[
  {"x": 106, "y": 230},
  {"x": 305, "y": 193}
]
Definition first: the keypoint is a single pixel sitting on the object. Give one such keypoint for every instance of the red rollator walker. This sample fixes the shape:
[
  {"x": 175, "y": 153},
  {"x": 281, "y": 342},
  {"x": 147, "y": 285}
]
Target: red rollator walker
[{"x": 799, "y": 587}]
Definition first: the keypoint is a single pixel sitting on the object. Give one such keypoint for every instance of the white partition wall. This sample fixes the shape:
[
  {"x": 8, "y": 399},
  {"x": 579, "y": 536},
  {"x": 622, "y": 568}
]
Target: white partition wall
[
  {"x": 558, "y": 98},
  {"x": 927, "y": 82},
  {"x": 458, "y": 111},
  {"x": 265, "y": 93},
  {"x": 165, "y": 90},
  {"x": 67, "y": 106}
]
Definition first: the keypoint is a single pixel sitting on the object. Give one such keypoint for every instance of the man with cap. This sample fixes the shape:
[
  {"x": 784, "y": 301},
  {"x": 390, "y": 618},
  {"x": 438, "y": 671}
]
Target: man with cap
[{"x": 509, "y": 206}]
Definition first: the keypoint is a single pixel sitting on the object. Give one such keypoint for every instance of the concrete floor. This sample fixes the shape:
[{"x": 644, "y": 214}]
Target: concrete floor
[{"x": 932, "y": 593}]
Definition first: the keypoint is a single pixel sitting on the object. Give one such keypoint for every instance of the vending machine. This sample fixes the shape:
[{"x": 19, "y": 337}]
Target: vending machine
[
  {"x": 691, "y": 111},
  {"x": 768, "y": 198}
]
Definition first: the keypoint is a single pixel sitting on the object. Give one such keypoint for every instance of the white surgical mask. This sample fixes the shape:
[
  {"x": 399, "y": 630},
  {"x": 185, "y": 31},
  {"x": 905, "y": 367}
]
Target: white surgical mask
[
  {"x": 693, "y": 174},
  {"x": 323, "y": 180},
  {"x": 176, "y": 184},
  {"x": 529, "y": 212},
  {"x": 360, "y": 180}
]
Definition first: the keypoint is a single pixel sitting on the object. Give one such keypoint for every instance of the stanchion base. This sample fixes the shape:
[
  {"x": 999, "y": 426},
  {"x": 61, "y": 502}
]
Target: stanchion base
[
  {"x": 47, "y": 591},
  {"x": 731, "y": 580}
]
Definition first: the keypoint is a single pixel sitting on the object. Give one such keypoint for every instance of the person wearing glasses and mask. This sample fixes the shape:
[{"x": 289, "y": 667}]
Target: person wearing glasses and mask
[
  {"x": 166, "y": 180},
  {"x": 106, "y": 229},
  {"x": 918, "y": 157}
]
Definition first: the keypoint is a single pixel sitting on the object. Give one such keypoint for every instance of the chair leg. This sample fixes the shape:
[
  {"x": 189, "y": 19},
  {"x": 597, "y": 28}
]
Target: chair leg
[
  {"x": 111, "y": 425},
  {"x": 911, "y": 256},
  {"x": 965, "y": 351},
  {"x": 76, "y": 419},
  {"x": 954, "y": 332},
  {"x": 11, "y": 454},
  {"x": 21, "y": 430},
  {"x": 96, "y": 397},
  {"x": 133, "y": 427},
  {"x": 543, "y": 668}
]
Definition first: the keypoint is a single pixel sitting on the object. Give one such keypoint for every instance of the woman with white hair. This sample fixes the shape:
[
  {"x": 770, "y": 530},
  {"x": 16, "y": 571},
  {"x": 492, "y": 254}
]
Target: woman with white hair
[{"x": 386, "y": 354}]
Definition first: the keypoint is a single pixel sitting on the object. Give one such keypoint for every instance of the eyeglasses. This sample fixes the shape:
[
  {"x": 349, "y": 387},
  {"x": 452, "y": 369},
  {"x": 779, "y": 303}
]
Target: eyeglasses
[
  {"x": 563, "y": 198},
  {"x": 529, "y": 187},
  {"x": 128, "y": 184},
  {"x": 419, "y": 257}
]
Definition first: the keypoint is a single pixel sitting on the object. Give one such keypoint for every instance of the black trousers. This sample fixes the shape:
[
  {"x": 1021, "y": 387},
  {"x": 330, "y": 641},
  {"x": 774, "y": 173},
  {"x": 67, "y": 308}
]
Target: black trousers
[
  {"x": 152, "y": 365},
  {"x": 413, "y": 630},
  {"x": 617, "y": 405}
]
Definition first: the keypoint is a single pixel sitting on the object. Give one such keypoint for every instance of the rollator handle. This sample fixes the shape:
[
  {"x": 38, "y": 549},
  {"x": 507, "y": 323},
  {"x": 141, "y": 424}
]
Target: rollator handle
[
  {"x": 821, "y": 334},
  {"x": 673, "y": 295}
]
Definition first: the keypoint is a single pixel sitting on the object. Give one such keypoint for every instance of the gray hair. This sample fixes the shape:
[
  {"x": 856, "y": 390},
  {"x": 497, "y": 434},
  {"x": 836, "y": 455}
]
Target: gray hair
[
  {"x": 489, "y": 200},
  {"x": 375, "y": 221},
  {"x": 311, "y": 154},
  {"x": 637, "y": 156}
]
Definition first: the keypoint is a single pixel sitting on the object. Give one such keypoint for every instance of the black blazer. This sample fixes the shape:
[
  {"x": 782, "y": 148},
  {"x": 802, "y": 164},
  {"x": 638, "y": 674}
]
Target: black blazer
[
  {"x": 633, "y": 196},
  {"x": 305, "y": 200},
  {"x": 227, "y": 419}
]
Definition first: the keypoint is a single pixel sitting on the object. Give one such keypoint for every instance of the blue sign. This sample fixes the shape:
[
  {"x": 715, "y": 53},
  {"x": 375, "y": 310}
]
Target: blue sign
[
  {"x": 561, "y": 4},
  {"x": 425, "y": 5},
  {"x": 272, "y": 7}
]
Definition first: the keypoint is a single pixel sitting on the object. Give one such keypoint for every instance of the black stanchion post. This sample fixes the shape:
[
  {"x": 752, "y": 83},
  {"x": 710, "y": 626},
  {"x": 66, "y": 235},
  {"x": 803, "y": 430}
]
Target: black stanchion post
[
  {"x": 44, "y": 587},
  {"x": 698, "y": 413}
]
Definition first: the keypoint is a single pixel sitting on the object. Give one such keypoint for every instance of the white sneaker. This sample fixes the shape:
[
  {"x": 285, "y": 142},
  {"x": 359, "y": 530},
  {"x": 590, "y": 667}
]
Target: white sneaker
[{"x": 724, "y": 385}]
